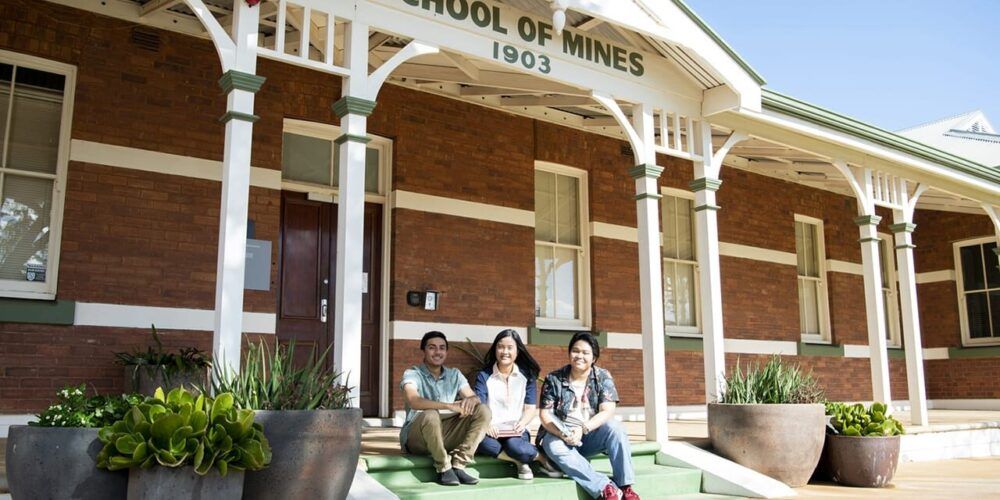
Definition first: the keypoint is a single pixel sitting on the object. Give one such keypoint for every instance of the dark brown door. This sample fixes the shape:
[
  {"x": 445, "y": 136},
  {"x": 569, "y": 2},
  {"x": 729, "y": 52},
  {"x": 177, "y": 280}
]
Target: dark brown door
[{"x": 308, "y": 273}]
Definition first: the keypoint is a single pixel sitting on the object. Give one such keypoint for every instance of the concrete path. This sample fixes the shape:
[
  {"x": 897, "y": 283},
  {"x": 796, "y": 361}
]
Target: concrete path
[{"x": 977, "y": 478}]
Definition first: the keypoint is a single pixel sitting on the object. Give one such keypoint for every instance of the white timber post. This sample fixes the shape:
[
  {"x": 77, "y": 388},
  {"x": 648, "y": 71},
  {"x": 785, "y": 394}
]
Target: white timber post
[
  {"x": 903, "y": 228},
  {"x": 706, "y": 182},
  {"x": 654, "y": 362},
  {"x": 868, "y": 228},
  {"x": 353, "y": 108},
  {"x": 240, "y": 83}
]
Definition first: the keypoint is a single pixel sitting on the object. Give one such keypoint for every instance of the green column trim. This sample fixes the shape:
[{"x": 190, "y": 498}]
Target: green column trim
[
  {"x": 707, "y": 206},
  {"x": 974, "y": 352},
  {"x": 810, "y": 349},
  {"x": 644, "y": 196},
  {"x": 236, "y": 115},
  {"x": 561, "y": 338},
  {"x": 705, "y": 184},
  {"x": 238, "y": 80},
  {"x": 866, "y": 240},
  {"x": 902, "y": 227},
  {"x": 48, "y": 312},
  {"x": 645, "y": 170},
  {"x": 684, "y": 344},
  {"x": 905, "y": 245},
  {"x": 353, "y": 105},
  {"x": 867, "y": 220},
  {"x": 353, "y": 138}
]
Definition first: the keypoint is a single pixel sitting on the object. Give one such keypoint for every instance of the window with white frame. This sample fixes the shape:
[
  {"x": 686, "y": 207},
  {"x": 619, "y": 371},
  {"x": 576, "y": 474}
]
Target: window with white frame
[
  {"x": 978, "y": 279},
  {"x": 680, "y": 264},
  {"x": 890, "y": 302},
  {"x": 36, "y": 101},
  {"x": 310, "y": 157},
  {"x": 814, "y": 323},
  {"x": 561, "y": 247}
]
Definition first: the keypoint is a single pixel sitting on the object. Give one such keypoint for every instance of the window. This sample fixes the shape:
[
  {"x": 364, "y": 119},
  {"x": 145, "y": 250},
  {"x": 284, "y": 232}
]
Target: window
[
  {"x": 890, "y": 304},
  {"x": 561, "y": 247},
  {"x": 36, "y": 100},
  {"x": 310, "y": 157},
  {"x": 680, "y": 265},
  {"x": 978, "y": 291},
  {"x": 814, "y": 321}
]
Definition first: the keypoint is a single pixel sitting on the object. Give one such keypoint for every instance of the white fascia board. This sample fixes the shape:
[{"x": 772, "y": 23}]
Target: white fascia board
[{"x": 805, "y": 136}]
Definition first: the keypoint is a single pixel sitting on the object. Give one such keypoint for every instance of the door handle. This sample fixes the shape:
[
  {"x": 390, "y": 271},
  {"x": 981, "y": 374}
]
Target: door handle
[{"x": 322, "y": 310}]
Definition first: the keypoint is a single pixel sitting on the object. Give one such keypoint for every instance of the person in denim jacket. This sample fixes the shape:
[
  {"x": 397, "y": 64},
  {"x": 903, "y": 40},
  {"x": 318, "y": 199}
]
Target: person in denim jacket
[{"x": 577, "y": 411}]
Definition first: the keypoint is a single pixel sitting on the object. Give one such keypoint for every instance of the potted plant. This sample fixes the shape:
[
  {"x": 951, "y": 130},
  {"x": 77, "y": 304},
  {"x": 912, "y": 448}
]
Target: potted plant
[
  {"x": 314, "y": 434},
  {"x": 53, "y": 456},
  {"x": 770, "y": 419},
  {"x": 862, "y": 444},
  {"x": 184, "y": 446},
  {"x": 149, "y": 369}
]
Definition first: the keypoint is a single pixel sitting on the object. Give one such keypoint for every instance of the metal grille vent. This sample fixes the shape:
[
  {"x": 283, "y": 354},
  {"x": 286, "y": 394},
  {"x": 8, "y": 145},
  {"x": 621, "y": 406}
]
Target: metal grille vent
[{"x": 146, "y": 39}]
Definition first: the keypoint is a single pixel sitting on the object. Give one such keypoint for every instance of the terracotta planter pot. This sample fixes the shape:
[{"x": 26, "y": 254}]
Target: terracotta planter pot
[
  {"x": 314, "y": 454},
  {"x": 783, "y": 441},
  {"x": 140, "y": 381},
  {"x": 868, "y": 462},
  {"x": 59, "y": 462},
  {"x": 171, "y": 483}
]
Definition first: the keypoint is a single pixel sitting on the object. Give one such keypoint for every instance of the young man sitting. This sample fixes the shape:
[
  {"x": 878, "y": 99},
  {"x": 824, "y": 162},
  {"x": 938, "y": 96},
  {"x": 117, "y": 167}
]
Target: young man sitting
[{"x": 438, "y": 423}]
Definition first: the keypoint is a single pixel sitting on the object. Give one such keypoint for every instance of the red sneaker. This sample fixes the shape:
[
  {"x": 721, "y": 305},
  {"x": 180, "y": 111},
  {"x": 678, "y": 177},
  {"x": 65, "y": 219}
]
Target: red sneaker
[
  {"x": 629, "y": 494},
  {"x": 611, "y": 492}
]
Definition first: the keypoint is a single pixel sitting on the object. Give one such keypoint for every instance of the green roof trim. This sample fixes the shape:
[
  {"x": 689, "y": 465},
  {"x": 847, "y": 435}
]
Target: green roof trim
[
  {"x": 774, "y": 101},
  {"x": 722, "y": 43}
]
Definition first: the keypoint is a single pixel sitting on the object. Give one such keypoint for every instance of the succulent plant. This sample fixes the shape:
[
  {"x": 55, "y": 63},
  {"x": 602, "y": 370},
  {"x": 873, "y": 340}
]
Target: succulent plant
[
  {"x": 183, "y": 429},
  {"x": 857, "y": 420}
]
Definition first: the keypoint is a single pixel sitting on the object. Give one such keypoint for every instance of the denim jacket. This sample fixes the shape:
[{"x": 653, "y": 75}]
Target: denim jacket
[{"x": 557, "y": 394}]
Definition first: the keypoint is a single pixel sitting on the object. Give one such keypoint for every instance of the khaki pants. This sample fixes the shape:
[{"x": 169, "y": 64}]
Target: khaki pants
[{"x": 449, "y": 439}]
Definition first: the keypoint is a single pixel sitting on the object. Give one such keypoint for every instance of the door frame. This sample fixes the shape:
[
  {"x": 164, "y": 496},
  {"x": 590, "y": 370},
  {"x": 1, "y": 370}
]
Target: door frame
[{"x": 329, "y": 194}]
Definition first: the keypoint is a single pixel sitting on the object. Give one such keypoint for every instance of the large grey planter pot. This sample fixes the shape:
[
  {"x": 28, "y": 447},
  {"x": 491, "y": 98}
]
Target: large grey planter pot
[
  {"x": 59, "y": 463},
  {"x": 314, "y": 454},
  {"x": 783, "y": 441},
  {"x": 867, "y": 462},
  {"x": 171, "y": 483},
  {"x": 140, "y": 381}
]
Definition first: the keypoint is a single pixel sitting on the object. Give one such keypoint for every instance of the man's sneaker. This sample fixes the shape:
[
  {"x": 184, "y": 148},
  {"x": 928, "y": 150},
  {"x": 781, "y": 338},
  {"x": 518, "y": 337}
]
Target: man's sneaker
[
  {"x": 464, "y": 477},
  {"x": 545, "y": 468},
  {"x": 611, "y": 492},
  {"x": 629, "y": 494},
  {"x": 448, "y": 478},
  {"x": 524, "y": 471}
]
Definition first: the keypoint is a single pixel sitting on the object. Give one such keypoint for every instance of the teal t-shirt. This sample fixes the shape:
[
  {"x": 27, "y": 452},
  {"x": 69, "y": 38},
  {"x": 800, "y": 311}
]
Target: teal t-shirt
[{"x": 444, "y": 389}]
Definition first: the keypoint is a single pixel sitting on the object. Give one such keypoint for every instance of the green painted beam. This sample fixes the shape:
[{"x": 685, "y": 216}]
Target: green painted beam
[
  {"x": 974, "y": 352},
  {"x": 896, "y": 353},
  {"x": 49, "y": 312},
  {"x": 810, "y": 349},
  {"x": 537, "y": 336},
  {"x": 684, "y": 344}
]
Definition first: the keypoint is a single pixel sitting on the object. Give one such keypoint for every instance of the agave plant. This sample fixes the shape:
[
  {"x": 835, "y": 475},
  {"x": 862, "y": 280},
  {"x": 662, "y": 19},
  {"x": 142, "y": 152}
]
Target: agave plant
[
  {"x": 857, "y": 420},
  {"x": 181, "y": 429},
  {"x": 774, "y": 383}
]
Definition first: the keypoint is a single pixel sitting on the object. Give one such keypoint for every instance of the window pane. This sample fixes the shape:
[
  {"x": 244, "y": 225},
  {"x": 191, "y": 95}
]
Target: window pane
[
  {"x": 306, "y": 159},
  {"x": 545, "y": 206},
  {"x": 568, "y": 199},
  {"x": 6, "y": 73},
  {"x": 972, "y": 267},
  {"x": 809, "y": 249},
  {"x": 544, "y": 282},
  {"x": 978, "y": 314},
  {"x": 24, "y": 228},
  {"x": 883, "y": 260},
  {"x": 800, "y": 255},
  {"x": 371, "y": 169},
  {"x": 670, "y": 227},
  {"x": 669, "y": 293},
  {"x": 35, "y": 120},
  {"x": 685, "y": 295},
  {"x": 685, "y": 244},
  {"x": 992, "y": 272},
  {"x": 995, "y": 313},
  {"x": 808, "y": 310},
  {"x": 886, "y": 317},
  {"x": 565, "y": 283}
]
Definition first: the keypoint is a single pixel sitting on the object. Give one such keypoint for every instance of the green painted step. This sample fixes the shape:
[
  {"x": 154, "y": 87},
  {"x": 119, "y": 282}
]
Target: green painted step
[{"x": 412, "y": 477}]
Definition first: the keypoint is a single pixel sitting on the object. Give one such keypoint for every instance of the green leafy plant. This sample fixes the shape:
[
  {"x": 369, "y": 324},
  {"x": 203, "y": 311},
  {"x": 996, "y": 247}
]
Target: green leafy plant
[
  {"x": 278, "y": 381},
  {"x": 182, "y": 429},
  {"x": 156, "y": 362},
  {"x": 74, "y": 408},
  {"x": 858, "y": 420},
  {"x": 774, "y": 383}
]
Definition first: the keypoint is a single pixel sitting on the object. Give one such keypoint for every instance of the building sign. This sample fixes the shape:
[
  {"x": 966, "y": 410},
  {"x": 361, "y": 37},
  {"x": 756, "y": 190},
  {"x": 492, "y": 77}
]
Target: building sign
[
  {"x": 257, "y": 275},
  {"x": 493, "y": 19}
]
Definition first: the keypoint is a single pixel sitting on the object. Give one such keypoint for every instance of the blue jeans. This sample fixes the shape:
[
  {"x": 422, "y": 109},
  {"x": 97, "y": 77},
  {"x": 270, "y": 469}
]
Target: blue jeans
[
  {"x": 518, "y": 448},
  {"x": 609, "y": 438}
]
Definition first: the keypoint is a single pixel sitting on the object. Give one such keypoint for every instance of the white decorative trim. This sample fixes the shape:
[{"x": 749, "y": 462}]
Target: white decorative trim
[
  {"x": 964, "y": 404},
  {"x": 165, "y": 318},
  {"x": 931, "y": 353},
  {"x": 12, "y": 419},
  {"x": 624, "y": 340},
  {"x": 856, "y": 351},
  {"x": 462, "y": 208},
  {"x": 757, "y": 253},
  {"x": 456, "y": 332},
  {"x": 750, "y": 346},
  {"x": 164, "y": 163},
  {"x": 840, "y": 266},
  {"x": 936, "y": 276},
  {"x": 614, "y": 232}
]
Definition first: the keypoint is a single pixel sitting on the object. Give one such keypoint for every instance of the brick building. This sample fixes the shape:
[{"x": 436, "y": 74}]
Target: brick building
[{"x": 512, "y": 192}]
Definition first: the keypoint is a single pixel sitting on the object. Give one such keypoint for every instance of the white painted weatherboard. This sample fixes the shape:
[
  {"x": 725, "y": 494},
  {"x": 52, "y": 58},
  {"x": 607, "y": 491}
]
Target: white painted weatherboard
[
  {"x": 456, "y": 332},
  {"x": 936, "y": 276},
  {"x": 462, "y": 208},
  {"x": 166, "y": 318}
]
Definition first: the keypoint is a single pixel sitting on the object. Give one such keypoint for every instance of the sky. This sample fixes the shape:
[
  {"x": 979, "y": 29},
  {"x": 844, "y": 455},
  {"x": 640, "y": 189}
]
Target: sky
[{"x": 890, "y": 63}]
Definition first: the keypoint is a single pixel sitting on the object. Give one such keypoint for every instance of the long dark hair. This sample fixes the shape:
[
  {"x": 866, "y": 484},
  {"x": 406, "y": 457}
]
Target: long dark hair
[{"x": 524, "y": 361}]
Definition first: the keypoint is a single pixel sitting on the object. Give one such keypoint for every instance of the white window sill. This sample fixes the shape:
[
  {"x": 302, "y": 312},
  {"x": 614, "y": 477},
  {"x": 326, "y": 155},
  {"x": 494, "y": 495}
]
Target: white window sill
[
  {"x": 560, "y": 326},
  {"x": 815, "y": 340},
  {"x": 686, "y": 335}
]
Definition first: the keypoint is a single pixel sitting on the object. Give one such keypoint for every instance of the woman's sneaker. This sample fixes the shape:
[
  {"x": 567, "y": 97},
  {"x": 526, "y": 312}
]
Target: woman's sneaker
[{"x": 524, "y": 472}]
